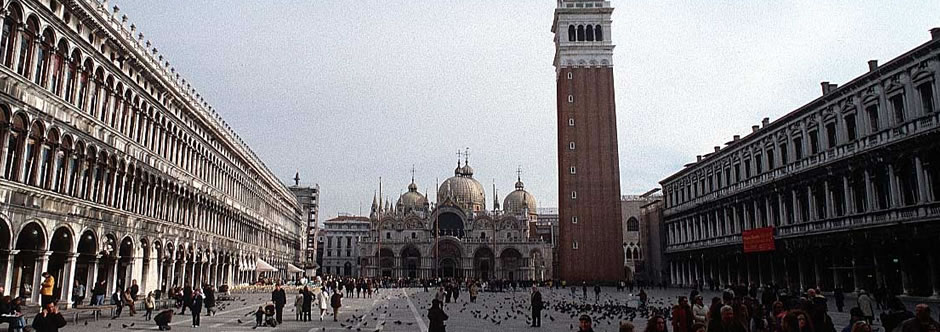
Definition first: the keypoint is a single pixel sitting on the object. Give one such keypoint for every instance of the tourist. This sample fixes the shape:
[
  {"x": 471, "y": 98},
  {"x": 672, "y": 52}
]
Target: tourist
[
  {"x": 839, "y": 295},
  {"x": 584, "y": 322},
  {"x": 98, "y": 293},
  {"x": 682, "y": 315},
  {"x": 149, "y": 305},
  {"x": 129, "y": 302},
  {"x": 259, "y": 316},
  {"x": 656, "y": 323},
  {"x": 134, "y": 290},
  {"x": 536, "y": 307},
  {"x": 626, "y": 326},
  {"x": 336, "y": 301},
  {"x": 306, "y": 302},
  {"x": 299, "y": 305},
  {"x": 797, "y": 321},
  {"x": 187, "y": 299},
  {"x": 921, "y": 322},
  {"x": 474, "y": 291},
  {"x": 896, "y": 314},
  {"x": 78, "y": 294},
  {"x": 324, "y": 302},
  {"x": 209, "y": 294},
  {"x": 597, "y": 292},
  {"x": 280, "y": 299},
  {"x": 436, "y": 317},
  {"x": 49, "y": 319},
  {"x": 699, "y": 311},
  {"x": 196, "y": 307},
  {"x": 727, "y": 323},
  {"x": 47, "y": 287},
  {"x": 118, "y": 302},
  {"x": 867, "y": 305}
]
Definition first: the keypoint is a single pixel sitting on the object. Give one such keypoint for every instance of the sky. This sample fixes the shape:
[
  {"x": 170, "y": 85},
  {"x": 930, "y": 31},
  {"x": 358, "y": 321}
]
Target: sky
[{"x": 348, "y": 92}]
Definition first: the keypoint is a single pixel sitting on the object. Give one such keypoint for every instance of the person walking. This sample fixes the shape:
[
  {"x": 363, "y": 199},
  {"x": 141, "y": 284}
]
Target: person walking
[
  {"x": 118, "y": 302},
  {"x": 536, "y": 307},
  {"x": 298, "y": 305},
  {"x": 149, "y": 305},
  {"x": 187, "y": 299},
  {"x": 597, "y": 292},
  {"x": 699, "y": 311},
  {"x": 336, "y": 301},
  {"x": 839, "y": 295},
  {"x": 45, "y": 293},
  {"x": 49, "y": 319},
  {"x": 280, "y": 299},
  {"x": 436, "y": 317},
  {"x": 324, "y": 302},
  {"x": 78, "y": 294},
  {"x": 196, "y": 307}
]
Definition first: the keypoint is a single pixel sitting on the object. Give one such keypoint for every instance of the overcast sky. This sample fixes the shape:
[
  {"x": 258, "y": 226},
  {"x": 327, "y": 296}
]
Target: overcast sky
[{"x": 346, "y": 92}]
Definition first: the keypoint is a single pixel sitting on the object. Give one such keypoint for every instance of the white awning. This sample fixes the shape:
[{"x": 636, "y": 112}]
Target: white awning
[
  {"x": 293, "y": 269},
  {"x": 262, "y": 266}
]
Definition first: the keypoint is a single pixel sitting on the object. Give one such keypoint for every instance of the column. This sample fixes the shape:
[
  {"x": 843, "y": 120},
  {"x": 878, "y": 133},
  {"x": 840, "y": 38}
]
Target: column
[
  {"x": 112, "y": 276},
  {"x": 830, "y": 206},
  {"x": 134, "y": 272},
  {"x": 817, "y": 273},
  {"x": 171, "y": 279},
  {"x": 747, "y": 269},
  {"x": 760, "y": 271},
  {"x": 895, "y": 199},
  {"x": 799, "y": 269},
  {"x": 812, "y": 205},
  {"x": 183, "y": 268},
  {"x": 932, "y": 266},
  {"x": 870, "y": 192},
  {"x": 855, "y": 284},
  {"x": 68, "y": 280},
  {"x": 42, "y": 264},
  {"x": 797, "y": 209},
  {"x": 836, "y": 277},
  {"x": 849, "y": 196},
  {"x": 922, "y": 183},
  {"x": 8, "y": 273},
  {"x": 879, "y": 276}
]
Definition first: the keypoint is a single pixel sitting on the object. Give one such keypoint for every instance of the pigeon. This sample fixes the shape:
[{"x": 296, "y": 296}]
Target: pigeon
[{"x": 124, "y": 326}]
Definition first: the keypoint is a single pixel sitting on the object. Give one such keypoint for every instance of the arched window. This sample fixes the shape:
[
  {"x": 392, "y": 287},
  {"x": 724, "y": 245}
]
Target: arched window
[
  {"x": 71, "y": 71},
  {"x": 14, "y": 144},
  {"x": 633, "y": 225},
  {"x": 95, "y": 92},
  {"x": 44, "y": 52},
  {"x": 107, "y": 91},
  {"x": 32, "y": 152},
  {"x": 580, "y": 33},
  {"x": 571, "y": 33},
  {"x": 27, "y": 38},
  {"x": 589, "y": 32},
  {"x": 46, "y": 159},
  {"x": 8, "y": 38},
  {"x": 598, "y": 34}
]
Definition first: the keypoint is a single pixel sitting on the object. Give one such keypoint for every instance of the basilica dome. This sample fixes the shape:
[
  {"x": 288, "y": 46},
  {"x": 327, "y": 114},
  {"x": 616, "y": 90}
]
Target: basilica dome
[
  {"x": 463, "y": 189},
  {"x": 519, "y": 200},
  {"x": 412, "y": 200}
]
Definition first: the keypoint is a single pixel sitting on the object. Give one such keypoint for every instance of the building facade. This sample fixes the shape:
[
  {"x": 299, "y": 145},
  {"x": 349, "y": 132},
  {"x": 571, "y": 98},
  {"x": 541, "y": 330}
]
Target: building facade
[
  {"x": 341, "y": 252},
  {"x": 654, "y": 256},
  {"x": 546, "y": 228},
  {"x": 309, "y": 199},
  {"x": 588, "y": 160},
  {"x": 849, "y": 184},
  {"x": 457, "y": 237},
  {"x": 113, "y": 168},
  {"x": 635, "y": 235}
]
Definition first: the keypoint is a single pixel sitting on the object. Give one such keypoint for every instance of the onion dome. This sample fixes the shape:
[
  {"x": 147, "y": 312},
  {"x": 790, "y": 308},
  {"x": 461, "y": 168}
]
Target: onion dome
[
  {"x": 463, "y": 189},
  {"x": 412, "y": 200},
  {"x": 519, "y": 200}
]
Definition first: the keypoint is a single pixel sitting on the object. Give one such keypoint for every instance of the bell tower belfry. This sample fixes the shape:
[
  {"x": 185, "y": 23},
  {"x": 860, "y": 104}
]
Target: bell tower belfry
[{"x": 590, "y": 236}]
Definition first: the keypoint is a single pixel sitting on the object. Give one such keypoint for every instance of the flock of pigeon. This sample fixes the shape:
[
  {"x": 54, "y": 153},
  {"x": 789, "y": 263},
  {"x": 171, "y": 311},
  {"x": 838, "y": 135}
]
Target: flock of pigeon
[{"x": 498, "y": 310}]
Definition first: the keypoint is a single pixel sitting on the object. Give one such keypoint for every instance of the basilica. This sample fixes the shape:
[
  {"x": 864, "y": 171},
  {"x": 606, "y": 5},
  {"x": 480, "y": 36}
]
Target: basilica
[{"x": 457, "y": 236}]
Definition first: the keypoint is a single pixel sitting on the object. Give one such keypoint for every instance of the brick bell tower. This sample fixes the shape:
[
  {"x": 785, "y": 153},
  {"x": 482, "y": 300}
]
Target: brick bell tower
[{"x": 590, "y": 247}]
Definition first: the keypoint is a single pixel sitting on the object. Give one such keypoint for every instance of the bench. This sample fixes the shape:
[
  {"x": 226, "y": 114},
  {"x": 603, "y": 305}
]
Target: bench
[{"x": 94, "y": 310}]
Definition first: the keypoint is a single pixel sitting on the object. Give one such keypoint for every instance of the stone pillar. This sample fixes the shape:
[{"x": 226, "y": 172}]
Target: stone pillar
[
  {"x": 849, "y": 196},
  {"x": 817, "y": 274},
  {"x": 42, "y": 264},
  {"x": 8, "y": 273},
  {"x": 879, "y": 276},
  {"x": 812, "y": 205},
  {"x": 797, "y": 209},
  {"x": 134, "y": 272},
  {"x": 183, "y": 268},
  {"x": 869, "y": 191},
  {"x": 922, "y": 183},
  {"x": 113, "y": 277},
  {"x": 895, "y": 199},
  {"x": 68, "y": 280},
  {"x": 932, "y": 272},
  {"x": 799, "y": 269},
  {"x": 855, "y": 284}
]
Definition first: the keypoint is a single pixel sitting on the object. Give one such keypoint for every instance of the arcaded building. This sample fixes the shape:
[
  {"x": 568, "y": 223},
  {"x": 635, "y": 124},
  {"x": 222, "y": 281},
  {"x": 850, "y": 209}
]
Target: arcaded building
[
  {"x": 457, "y": 237},
  {"x": 588, "y": 161},
  {"x": 848, "y": 186},
  {"x": 114, "y": 168}
]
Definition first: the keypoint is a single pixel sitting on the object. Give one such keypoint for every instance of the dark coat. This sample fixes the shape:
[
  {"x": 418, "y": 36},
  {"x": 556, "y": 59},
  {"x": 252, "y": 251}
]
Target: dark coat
[
  {"x": 196, "y": 307},
  {"x": 210, "y": 298},
  {"x": 436, "y": 318},
  {"x": 913, "y": 325},
  {"x": 308, "y": 300},
  {"x": 537, "y": 304},
  {"x": 49, "y": 322},
  {"x": 279, "y": 297},
  {"x": 336, "y": 300}
]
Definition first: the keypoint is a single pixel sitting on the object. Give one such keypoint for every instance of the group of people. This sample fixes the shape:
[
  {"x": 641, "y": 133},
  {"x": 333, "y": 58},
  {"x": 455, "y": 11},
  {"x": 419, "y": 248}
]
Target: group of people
[{"x": 326, "y": 294}]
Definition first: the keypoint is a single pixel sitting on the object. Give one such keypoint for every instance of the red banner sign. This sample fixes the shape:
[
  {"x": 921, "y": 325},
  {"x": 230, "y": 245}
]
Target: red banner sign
[{"x": 758, "y": 239}]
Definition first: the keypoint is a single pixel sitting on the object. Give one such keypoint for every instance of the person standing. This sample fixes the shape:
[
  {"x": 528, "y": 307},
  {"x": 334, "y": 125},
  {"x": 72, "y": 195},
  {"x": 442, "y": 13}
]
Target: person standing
[
  {"x": 867, "y": 305},
  {"x": 436, "y": 317},
  {"x": 474, "y": 291},
  {"x": 922, "y": 322},
  {"x": 209, "y": 295},
  {"x": 134, "y": 289},
  {"x": 98, "y": 293},
  {"x": 597, "y": 292},
  {"x": 49, "y": 319},
  {"x": 48, "y": 285},
  {"x": 149, "y": 305},
  {"x": 839, "y": 295},
  {"x": 187, "y": 299},
  {"x": 336, "y": 301},
  {"x": 584, "y": 322},
  {"x": 699, "y": 311},
  {"x": 78, "y": 294},
  {"x": 280, "y": 299},
  {"x": 117, "y": 302},
  {"x": 727, "y": 323},
  {"x": 682, "y": 316},
  {"x": 324, "y": 302},
  {"x": 298, "y": 305},
  {"x": 196, "y": 307},
  {"x": 536, "y": 307},
  {"x": 306, "y": 304}
]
